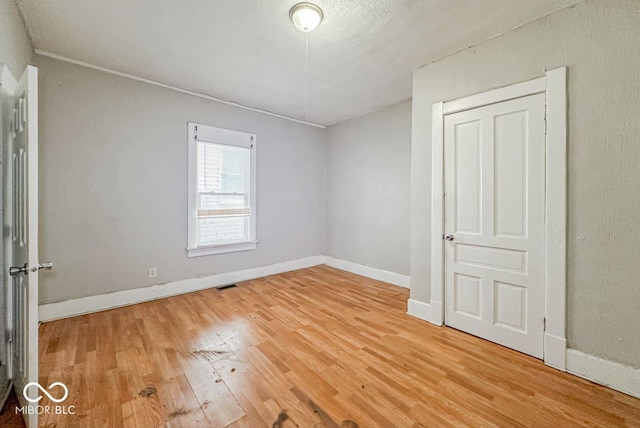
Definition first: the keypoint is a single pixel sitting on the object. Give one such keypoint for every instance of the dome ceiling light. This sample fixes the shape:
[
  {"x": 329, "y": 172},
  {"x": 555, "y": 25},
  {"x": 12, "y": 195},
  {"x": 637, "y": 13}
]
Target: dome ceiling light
[{"x": 306, "y": 16}]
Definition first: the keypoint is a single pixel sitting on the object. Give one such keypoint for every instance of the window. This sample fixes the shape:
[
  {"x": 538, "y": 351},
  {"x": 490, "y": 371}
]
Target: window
[{"x": 222, "y": 197}]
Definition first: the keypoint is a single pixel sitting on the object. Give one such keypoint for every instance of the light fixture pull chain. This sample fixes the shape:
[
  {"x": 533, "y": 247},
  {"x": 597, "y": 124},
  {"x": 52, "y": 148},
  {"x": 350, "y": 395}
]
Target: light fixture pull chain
[{"x": 306, "y": 74}]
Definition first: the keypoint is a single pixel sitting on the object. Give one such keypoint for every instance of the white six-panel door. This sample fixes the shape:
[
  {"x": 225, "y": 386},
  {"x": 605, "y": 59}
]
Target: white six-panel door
[
  {"x": 494, "y": 222},
  {"x": 22, "y": 248}
]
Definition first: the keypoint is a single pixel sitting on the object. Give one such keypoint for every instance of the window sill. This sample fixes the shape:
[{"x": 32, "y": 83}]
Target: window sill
[{"x": 221, "y": 248}]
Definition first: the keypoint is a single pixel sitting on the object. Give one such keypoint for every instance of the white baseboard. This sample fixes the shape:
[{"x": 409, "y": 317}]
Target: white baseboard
[
  {"x": 608, "y": 373},
  {"x": 555, "y": 351},
  {"x": 437, "y": 312},
  {"x": 369, "y": 272},
  {"x": 419, "y": 309},
  {"x": 85, "y": 305}
]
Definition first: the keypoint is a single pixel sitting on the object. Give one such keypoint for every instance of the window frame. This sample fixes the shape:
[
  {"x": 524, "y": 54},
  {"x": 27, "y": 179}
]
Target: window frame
[{"x": 209, "y": 134}]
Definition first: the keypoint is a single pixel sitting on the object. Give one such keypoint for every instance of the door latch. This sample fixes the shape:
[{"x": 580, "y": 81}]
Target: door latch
[
  {"x": 44, "y": 266},
  {"x": 17, "y": 270}
]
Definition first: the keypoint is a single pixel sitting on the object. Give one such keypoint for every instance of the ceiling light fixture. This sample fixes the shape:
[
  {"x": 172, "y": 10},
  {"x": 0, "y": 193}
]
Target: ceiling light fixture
[{"x": 306, "y": 16}]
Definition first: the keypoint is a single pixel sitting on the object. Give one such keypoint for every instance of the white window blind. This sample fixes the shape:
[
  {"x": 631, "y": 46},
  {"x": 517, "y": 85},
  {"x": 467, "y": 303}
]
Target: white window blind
[{"x": 224, "y": 207}]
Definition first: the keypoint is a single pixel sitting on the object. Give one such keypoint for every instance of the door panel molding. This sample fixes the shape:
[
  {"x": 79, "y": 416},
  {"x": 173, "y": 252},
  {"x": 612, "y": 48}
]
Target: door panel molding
[
  {"x": 20, "y": 192},
  {"x": 553, "y": 85}
]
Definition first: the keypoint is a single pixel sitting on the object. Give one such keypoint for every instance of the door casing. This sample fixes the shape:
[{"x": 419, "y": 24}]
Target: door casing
[{"x": 554, "y": 85}]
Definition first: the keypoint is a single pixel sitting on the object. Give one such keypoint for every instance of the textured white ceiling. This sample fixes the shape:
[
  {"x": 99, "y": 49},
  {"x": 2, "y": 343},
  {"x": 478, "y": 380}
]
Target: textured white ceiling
[{"x": 360, "y": 57}]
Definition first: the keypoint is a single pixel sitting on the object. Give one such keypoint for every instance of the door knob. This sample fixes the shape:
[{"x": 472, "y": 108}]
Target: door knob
[
  {"x": 16, "y": 270},
  {"x": 449, "y": 237},
  {"x": 44, "y": 266}
]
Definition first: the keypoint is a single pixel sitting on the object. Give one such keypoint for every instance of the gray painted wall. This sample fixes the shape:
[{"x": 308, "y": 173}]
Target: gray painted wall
[
  {"x": 368, "y": 189},
  {"x": 598, "y": 41},
  {"x": 15, "y": 46},
  {"x": 113, "y": 183}
]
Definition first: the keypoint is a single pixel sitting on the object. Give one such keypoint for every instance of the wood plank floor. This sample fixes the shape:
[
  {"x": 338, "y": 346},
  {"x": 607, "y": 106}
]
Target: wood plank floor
[
  {"x": 8, "y": 415},
  {"x": 313, "y": 348}
]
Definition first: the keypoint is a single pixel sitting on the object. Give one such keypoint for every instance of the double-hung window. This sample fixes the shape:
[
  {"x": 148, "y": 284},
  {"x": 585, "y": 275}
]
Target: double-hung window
[{"x": 222, "y": 191}]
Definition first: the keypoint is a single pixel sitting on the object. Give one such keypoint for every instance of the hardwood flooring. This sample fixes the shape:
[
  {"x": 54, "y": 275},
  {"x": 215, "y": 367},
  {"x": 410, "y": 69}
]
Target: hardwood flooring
[
  {"x": 313, "y": 348},
  {"x": 8, "y": 415}
]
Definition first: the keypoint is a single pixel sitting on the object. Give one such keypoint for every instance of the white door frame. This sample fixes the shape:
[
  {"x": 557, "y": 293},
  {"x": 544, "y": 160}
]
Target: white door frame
[{"x": 554, "y": 84}]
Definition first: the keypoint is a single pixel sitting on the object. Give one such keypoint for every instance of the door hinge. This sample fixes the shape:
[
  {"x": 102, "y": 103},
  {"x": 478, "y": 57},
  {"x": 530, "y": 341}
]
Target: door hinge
[
  {"x": 544, "y": 324},
  {"x": 10, "y": 346}
]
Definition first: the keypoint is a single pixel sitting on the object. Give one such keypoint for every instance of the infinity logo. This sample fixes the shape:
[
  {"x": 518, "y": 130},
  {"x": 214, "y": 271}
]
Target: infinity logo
[{"x": 44, "y": 391}]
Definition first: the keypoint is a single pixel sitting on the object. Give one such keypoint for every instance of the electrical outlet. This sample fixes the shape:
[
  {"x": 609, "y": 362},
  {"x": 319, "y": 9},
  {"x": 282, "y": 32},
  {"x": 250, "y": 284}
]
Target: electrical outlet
[{"x": 153, "y": 272}]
